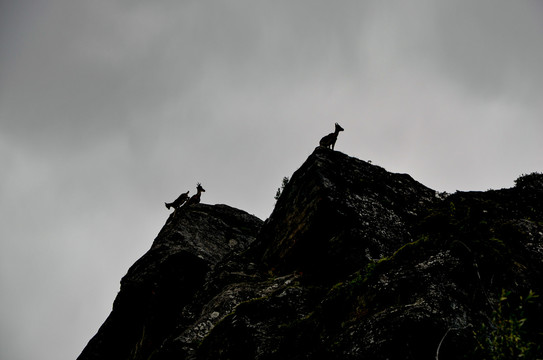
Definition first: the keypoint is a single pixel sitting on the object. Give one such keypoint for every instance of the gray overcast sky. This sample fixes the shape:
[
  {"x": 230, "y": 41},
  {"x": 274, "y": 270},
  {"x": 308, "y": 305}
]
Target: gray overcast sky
[{"x": 108, "y": 108}]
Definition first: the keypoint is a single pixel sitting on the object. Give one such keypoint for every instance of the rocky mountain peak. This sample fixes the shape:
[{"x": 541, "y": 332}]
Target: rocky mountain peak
[
  {"x": 343, "y": 212},
  {"x": 355, "y": 262}
]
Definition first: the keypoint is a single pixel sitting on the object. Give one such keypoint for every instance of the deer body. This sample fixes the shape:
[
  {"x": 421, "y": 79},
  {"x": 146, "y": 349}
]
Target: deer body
[
  {"x": 179, "y": 201},
  {"x": 195, "y": 199},
  {"x": 329, "y": 141}
]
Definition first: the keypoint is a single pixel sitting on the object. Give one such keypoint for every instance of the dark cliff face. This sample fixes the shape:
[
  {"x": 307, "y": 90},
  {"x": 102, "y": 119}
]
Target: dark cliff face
[
  {"x": 339, "y": 213},
  {"x": 354, "y": 263},
  {"x": 158, "y": 290}
]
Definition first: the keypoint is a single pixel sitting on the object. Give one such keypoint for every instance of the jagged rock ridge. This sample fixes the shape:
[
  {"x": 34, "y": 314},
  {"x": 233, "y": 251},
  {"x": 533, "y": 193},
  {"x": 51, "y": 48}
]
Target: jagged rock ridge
[{"x": 354, "y": 263}]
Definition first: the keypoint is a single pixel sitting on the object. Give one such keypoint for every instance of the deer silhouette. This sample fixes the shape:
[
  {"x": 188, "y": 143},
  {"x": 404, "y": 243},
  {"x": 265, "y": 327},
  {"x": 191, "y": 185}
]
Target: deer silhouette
[
  {"x": 195, "y": 199},
  {"x": 178, "y": 202},
  {"x": 329, "y": 141}
]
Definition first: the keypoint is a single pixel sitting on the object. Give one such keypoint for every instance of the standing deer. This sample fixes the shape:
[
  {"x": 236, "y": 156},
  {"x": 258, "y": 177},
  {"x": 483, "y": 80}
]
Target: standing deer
[
  {"x": 195, "y": 199},
  {"x": 178, "y": 202},
  {"x": 329, "y": 141}
]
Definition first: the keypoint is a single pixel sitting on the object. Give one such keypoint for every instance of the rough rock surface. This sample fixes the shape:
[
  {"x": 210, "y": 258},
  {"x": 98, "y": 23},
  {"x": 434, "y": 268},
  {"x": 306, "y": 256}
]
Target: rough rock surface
[
  {"x": 354, "y": 263},
  {"x": 157, "y": 292}
]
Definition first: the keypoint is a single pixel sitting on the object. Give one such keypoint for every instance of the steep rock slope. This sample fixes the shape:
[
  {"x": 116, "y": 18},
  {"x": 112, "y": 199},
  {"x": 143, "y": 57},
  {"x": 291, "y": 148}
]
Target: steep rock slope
[
  {"x": 337, "y": 214},
  {"x": 354, "y": 263},
  {"x": 161, "y": 284}
]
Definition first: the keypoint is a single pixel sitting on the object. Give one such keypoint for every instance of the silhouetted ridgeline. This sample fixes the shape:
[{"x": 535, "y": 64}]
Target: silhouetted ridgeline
[{"x": 354, "y": 263}]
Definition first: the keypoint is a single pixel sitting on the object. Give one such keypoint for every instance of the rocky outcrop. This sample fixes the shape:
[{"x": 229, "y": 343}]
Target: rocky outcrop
[
  {"x": 159, "y": 290},
  {"x": 339, "y": 213},
  {"x": 354, "y": 263}
]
